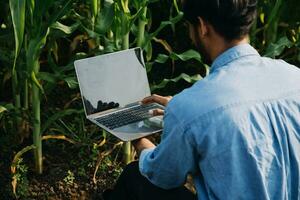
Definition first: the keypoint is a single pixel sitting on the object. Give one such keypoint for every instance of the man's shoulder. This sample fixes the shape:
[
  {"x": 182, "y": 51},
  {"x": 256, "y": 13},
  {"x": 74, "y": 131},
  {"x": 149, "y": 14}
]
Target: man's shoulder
[
  {"x": 194, "y": 101},
  {"x": 258, "y": 81}
]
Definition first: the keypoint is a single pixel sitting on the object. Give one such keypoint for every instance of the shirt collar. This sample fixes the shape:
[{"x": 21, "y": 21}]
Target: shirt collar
[{"x": 232, "y": 54}]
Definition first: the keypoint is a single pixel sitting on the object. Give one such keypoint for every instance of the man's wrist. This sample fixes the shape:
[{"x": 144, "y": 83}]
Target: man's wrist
[{"x": 141, "y": 144}]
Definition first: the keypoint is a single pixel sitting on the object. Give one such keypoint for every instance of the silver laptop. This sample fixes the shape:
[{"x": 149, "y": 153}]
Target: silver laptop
[{"x": 112, "y": 86}]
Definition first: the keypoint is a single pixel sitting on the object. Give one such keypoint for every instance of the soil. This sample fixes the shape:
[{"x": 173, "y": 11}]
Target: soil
[{"x": 68, "y": 174}]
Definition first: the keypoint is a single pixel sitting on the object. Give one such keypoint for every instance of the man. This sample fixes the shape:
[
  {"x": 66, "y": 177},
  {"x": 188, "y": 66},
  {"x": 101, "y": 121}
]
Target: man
[{"x": 237, "y": 131}]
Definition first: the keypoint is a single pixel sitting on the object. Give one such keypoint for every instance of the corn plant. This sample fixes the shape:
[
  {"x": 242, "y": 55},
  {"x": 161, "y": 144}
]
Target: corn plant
[
  {"x": 36, "y": 28},
  {"x": 107, "y": 26},
  {"x": 276, "y": 34},
  {"x": 122, "y": 24},
  {"x": 18, "y": 18}
]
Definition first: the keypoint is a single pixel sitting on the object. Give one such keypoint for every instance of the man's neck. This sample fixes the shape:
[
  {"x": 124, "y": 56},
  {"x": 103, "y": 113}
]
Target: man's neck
[{"x": 221, "y": 46}]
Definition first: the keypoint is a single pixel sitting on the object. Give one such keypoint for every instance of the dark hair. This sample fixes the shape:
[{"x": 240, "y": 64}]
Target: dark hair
[{"x": 232, "y": 19}]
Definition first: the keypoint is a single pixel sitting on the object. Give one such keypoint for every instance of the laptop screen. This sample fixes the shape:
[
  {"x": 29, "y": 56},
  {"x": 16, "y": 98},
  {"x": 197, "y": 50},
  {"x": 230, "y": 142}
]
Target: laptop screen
[{"x": 112, "y": 80}]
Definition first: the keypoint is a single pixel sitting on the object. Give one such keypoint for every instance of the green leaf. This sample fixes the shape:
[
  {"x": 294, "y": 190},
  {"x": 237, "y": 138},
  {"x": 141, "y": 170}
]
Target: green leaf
[
  {"x": 41, "y": 7},
  {"x": 124, "y": 5},
  {"x": 274, "y": 12},
  {"x": 161, "y": 58},
  {"x": 162, "y": 25},
  {"x": 6, "y": 107},
  {"x": 63, "y": 11},
  {"x": 31, "y": 6},
  {"x": 188, "y": 55},
  {"x": 183, "y": 76},
  {"x": 176, "y": 6},
  {"x": 94, "y": 7},
  {"x": 276, "y": 49},
  {"x": 105, "y": 18},
  {"x": 17, "y": 9},
  {"x": 137, "y": 15},
  {"x": 2, "y": 109},
  {"x": 34, "y": 48},
  {"x": 72, "y": 82},
  {"x": 51, "y": 78},
  {"x": 91, "y": 33},
  {"x": 149, "y": 66},
  {"x": 36, "y": 82},
  {"x": 59, "y": 115},
  {"x": 66, "y": 29},
  {"x": 148, "y": 49}
]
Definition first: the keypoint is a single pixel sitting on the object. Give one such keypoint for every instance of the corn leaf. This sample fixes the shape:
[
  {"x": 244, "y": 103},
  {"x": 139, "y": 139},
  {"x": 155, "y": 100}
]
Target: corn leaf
[
  {"x": 105, "y": 18},
  {"x": 59, "y": 115},
  {"x": 63, "y": 11},
  {"x": 2, "y": 109},
  {"x": 124, "y": 5},
  {"x": 162, "y": 25},
  {"x": 65, "y": 29},
  {"x": 185, "y": 56},
  {"x": 46, "y": 76},
  {"x": 36, "y": 82},
  {"x": 31, "y": 6},
  {"x": 17, "y": 9},
  {"x": 72, "y": 82},
  {"x": 275, "y": 49},
  {"x": 41, "y": 7},
  {"x": 188, "y": 55},
  {"x": 34, "y": 48},
  {"x": 274, "y": 13},
  {"x": 162, "y": 58},
  {"x": 183, "y": 76},
  {"x": 94, "y": 7},
  {"x": 58, "y": 137},
  {"x": 90, "y": 32},
  {"x": 272, "y": 22},
  {"x": 176, "y": 6}
]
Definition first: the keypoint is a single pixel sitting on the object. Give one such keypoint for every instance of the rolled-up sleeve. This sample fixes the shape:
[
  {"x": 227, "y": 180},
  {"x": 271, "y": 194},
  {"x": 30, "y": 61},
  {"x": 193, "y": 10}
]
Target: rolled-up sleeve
[{"x": 168, "y": 164}]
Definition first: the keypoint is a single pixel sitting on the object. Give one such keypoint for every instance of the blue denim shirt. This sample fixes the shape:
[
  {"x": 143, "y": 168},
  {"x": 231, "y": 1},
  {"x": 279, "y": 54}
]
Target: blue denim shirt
[{"x": 237, "y": 131}]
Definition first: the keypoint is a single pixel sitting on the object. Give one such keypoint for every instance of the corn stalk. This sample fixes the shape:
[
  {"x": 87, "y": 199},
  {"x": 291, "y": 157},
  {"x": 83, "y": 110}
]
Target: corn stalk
[
  {"x": 36, "y": 31},
  {"x": 125, "y": 45},
  {"x": 141, "y": 27},
  {"x": 17, "y": 8}
]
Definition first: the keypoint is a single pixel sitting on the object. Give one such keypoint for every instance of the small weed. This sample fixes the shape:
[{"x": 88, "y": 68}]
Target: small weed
[
  {"x": 81, "y": 172},
  {"x": 117, "y": 172},
  {"x": 69, "y": 179},
  {"x": 21, "y": 176}
]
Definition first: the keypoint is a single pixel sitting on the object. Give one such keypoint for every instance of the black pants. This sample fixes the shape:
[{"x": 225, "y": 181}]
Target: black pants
[{"x": 131, "y": 185}]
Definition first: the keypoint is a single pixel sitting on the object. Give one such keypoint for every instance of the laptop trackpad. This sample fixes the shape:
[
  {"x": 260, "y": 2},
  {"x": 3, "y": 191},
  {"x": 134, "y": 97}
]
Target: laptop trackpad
[{"x": 139, "y": 129}]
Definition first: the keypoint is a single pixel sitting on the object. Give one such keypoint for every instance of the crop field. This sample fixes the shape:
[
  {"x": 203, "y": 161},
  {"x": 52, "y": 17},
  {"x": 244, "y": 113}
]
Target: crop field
[{"x": 48, "y": 149}]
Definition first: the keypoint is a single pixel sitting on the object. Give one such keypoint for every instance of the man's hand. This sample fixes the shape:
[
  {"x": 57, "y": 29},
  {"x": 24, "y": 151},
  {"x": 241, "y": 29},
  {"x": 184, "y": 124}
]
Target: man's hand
[
  {"x": 144, "y": 143},
  {"x": 141, "y": 144},
  {"x": 157, "y": 99}
]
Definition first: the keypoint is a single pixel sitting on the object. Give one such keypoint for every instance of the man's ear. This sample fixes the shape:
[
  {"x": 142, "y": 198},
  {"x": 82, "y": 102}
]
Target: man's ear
[{"x": 203, "y": 28}]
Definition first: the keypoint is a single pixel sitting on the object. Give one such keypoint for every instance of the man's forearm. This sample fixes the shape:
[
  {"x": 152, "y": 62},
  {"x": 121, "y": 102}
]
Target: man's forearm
[{"x": 142, "y": 144}]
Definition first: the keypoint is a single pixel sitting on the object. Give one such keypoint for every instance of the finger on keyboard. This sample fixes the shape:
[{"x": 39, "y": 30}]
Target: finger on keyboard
[{"x": 156, "y": 112}]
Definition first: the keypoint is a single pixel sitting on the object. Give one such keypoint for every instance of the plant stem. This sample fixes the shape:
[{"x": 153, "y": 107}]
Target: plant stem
[
  {"x": 17, "y": 99},
  {"x": 141, "y": 28},
  {"x": 127, "y": 152},
  {"x": 94, "y": 9},
  {"x": 36, "y": 106},
  {"x": 26, "y": 100},
  {"x": 125, "y": 45},
  {"x": 125, "y": 41}
]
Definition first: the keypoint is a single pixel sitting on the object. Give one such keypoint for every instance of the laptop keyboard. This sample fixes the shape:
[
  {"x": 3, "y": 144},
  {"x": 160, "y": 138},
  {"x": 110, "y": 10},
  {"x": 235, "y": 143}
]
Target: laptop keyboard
[{"x": 127, "y": 116}]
